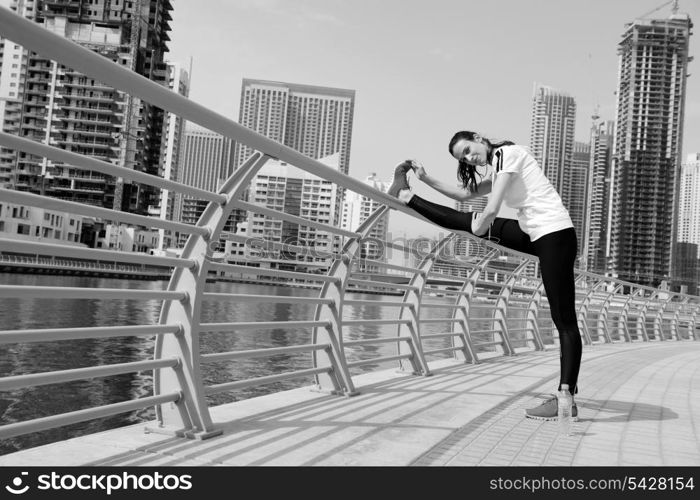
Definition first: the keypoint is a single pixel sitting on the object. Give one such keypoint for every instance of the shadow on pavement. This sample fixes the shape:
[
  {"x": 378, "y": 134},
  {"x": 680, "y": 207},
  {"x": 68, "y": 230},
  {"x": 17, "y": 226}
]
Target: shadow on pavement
[{"x": 622, "y": 411}]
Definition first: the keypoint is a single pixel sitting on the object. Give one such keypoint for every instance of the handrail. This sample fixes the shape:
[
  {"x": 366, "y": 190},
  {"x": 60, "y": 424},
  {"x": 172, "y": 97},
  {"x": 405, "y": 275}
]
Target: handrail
[
  {"x": 41, "y": 248},
  {"x": 76, "y": 160},
  {"x": 23, "y": 198},
  {"x": 252, "y": 207}
]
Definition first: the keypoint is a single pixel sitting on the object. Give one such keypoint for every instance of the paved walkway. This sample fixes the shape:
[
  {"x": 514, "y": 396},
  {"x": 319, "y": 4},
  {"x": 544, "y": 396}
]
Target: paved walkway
[{"x": 639, "y": 405}]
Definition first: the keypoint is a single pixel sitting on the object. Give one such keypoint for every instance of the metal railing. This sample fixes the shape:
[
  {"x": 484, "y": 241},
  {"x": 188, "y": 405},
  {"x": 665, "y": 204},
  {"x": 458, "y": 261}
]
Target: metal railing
[{"x": 485, "y": 302}]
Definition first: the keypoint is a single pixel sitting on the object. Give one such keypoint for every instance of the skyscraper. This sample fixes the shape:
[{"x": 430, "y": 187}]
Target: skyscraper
[
  {"x": 356, "y": 209},
  {"x": 653, "y": 60},
  {"x": 597, "y": 201},
  {"x": 576, "y": 175},
  {"x": 552, "y": 136},
  {"x": 207, "y": 161},
  {"x": 171, "y": 152},
  {"x": 60, "y": 107},
  {"x": 686, "y": 252},
  {"x": 316, "y": 121},
  {"x": 689, "y": 203}
]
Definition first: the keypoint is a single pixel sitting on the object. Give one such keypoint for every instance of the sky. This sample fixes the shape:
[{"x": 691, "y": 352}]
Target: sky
[{"x": 421, "y": 70}]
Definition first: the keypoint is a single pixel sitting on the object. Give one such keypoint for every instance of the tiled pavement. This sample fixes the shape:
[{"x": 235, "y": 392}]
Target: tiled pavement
[
  {"x": 640, "y": 408},
  {"x": 639, "y": 405}
]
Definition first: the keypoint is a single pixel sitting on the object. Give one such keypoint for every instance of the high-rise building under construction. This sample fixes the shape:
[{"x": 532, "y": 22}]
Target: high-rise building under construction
[
  {"x": 653, "y": 60},
  {"x": 50, "y": 103}
]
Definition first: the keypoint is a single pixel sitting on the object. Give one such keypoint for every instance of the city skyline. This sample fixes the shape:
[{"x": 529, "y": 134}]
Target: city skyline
[
  {"x": 412, "y": 76},
  {"x": 292, "y": 113}
]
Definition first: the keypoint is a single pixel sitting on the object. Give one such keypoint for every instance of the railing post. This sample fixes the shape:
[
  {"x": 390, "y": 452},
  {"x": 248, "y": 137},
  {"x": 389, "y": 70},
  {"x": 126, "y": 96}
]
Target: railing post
[
  {"x": 533, "y": 310},
  {"x": 584, "y": 310},
  {"x": 643, "y": 314},
  {"x": 464, "y": 299},
  {"x": 414, "y": 297},
  {"x": 186, "y": 346},
  {"x": 624, "y": 314},
  {"x": 337, "y": 380},
  {"x": 333, "y": 313},
  {"x": 659, "y": 318},
  {"x": 692, "y": 334},
  {"x": 676, "y": 317},
  {"x": 502, "y": 304},
  {"x": 603, "y": 315}
]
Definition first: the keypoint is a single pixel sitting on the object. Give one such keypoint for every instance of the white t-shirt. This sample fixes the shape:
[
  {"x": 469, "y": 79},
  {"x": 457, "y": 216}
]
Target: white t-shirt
[{"x": 539, "y": 206}]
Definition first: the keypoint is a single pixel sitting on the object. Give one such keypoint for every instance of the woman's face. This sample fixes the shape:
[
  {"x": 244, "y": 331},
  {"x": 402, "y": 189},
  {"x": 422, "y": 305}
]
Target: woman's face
[{"x": 472, "y": 152}]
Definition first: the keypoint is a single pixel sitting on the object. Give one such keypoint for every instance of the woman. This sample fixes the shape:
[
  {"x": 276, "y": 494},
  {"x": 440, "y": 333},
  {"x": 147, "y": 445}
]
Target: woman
[{"x": 543, "y": 229}]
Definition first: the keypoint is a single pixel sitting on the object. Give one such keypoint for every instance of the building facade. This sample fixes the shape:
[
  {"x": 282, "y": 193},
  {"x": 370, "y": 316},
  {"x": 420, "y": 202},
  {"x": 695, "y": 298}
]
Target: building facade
[
  {"x": 653, "y": 60},
  {"x": 286, "y": 188},
  {"x": 689, "y": 201},
  {"x": 20, "y": 222},
  {"x": 171, "y": 154},
  {"x": 598, "y": 193},
  {"x": 357, "y": 208},
  {"x": 686, "y": 252},
  {"x": 316, "y": 121},
  {"x": 552, "y": 128},
  {"x": 206, "y": 162},
  {"x": 577, "y": 178},
  {"x": 60, "y": 107}
]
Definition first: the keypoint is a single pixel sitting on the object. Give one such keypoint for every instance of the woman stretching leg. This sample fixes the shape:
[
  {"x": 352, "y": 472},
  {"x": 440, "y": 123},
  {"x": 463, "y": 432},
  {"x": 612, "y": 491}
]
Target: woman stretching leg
[{"x": 543, "y": 229}]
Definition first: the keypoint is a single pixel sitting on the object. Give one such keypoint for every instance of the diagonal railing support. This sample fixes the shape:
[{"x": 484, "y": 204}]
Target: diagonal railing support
[
  {"x": 501, "y": 313},
  {"x": 414, "y": 297},
  {"x": 333, "y": 313},
  {"x": 465, "y": 298},
  {"x": 187, "y": 313}
]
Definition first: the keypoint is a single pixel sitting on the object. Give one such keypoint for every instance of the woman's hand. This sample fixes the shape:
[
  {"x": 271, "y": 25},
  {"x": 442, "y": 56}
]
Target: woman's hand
[
  {"x": 418, "y": 169},
  {"x": 480, "y": 224}
]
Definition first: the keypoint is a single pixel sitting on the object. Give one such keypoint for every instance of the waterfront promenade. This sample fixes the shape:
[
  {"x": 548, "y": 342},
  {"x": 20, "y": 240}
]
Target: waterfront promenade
[
  {"x": 636, "y": 409},
  {"x": 464, "y": 300}
]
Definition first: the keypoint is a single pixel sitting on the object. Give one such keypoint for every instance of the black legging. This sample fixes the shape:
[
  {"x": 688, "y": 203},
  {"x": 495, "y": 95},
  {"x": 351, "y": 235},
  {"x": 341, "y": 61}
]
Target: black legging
[{"x": 556, "y": 252}]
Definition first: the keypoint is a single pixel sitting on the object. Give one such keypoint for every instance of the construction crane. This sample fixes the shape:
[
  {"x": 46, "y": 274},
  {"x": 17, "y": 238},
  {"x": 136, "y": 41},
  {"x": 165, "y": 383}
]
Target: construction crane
[{"x": 674, "y": 9}]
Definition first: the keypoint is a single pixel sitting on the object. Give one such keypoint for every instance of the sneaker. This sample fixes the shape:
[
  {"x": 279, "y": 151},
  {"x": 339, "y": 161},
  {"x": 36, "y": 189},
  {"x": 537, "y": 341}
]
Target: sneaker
[
  {"x": 400, "y": 181},
  {"x": 548, "y": 410}
]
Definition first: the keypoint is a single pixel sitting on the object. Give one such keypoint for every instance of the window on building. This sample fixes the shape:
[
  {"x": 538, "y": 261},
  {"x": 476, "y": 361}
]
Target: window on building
[{"x": 23, "y": 229}]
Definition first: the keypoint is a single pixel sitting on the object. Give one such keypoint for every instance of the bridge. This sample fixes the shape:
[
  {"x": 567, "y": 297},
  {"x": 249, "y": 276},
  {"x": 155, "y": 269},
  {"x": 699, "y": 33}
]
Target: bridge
[{"x": 451, "y": 391}]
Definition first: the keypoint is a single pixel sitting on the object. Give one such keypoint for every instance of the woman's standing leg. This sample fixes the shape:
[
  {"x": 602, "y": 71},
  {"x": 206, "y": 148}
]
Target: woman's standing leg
[{"x": 557, "y": 254}]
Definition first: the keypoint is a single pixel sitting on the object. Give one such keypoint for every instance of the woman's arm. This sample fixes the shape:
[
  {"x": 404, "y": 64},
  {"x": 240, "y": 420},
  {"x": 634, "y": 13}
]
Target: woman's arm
[
  {"x": 482, "y": 221},
  {"x": 483, "y": 188}
]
